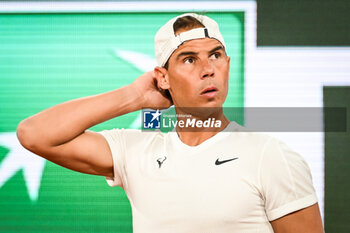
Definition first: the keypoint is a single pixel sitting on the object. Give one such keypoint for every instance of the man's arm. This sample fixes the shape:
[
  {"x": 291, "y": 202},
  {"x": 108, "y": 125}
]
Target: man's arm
[
  {"x": 58, "y": 133},
  {"x": 306, "y": 220}
]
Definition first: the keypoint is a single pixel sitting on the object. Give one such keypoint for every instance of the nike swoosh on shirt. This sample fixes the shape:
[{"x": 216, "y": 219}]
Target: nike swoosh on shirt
[{"x": 218, "y": 162}]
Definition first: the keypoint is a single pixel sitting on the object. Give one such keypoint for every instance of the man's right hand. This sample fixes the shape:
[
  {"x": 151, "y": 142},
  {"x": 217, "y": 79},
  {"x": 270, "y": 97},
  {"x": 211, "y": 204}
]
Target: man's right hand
[{"x": 147, "y": 89}]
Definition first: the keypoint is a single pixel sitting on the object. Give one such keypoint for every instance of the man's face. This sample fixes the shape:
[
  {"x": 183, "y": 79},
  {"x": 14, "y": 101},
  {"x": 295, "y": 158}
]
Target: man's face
[{"x": 198, "y": 74}]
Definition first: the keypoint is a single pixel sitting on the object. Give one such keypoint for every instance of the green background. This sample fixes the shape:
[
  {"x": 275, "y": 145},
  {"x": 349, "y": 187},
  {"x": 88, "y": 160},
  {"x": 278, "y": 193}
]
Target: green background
[
  {"x": 46, "y": 59},
  {"x": 337, "y": 163}
]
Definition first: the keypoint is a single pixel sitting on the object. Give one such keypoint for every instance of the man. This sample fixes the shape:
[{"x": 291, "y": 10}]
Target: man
[{"x": 198, "y": 180}]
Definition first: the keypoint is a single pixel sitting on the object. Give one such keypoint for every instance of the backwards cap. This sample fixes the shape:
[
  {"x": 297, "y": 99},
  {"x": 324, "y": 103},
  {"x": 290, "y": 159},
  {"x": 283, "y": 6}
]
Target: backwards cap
[{"x": 165, "y": 41}]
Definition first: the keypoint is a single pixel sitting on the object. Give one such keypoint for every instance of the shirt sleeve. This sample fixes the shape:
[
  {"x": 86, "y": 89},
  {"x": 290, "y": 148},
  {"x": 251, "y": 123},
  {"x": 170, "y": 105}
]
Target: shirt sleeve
[
  {"x": 286, "y": 180},
  {"x": 116, "y": 144}
]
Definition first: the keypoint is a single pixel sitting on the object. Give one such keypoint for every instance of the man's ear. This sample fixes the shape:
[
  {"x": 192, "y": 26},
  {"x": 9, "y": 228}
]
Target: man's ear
[
  {"x": 229, "y": 65},
  {"x": 228, "y": 60},
  {"x": 162, "y": 78}
]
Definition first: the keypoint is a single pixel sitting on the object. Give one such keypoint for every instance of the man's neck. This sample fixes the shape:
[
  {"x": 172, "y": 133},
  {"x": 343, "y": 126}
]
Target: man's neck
[{"x": 197, "y": 135}]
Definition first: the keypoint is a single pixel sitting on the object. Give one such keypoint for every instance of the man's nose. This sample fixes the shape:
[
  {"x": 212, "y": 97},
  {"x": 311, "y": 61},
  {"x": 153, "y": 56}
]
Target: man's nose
[{"x": 208, "y": 69}]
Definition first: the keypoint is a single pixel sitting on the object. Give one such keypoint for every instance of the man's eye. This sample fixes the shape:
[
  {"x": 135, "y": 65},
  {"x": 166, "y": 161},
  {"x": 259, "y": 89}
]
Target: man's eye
[
  {"x": 215, "y": 56},
  {"x": 189, "y": 60}
]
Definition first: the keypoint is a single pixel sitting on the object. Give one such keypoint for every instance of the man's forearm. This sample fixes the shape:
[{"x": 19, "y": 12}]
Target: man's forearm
[{"x": 61, "y": 123}]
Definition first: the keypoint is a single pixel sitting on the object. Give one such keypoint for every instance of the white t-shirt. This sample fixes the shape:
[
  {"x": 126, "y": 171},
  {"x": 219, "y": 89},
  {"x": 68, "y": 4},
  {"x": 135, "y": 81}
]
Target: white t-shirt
[{"x": 233, "y": 182}]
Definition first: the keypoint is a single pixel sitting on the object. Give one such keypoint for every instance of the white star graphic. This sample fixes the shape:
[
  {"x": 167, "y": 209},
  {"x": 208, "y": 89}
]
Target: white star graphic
[
  {"x": 19, "y": 158},
  {"x": 156, "y": 115}
]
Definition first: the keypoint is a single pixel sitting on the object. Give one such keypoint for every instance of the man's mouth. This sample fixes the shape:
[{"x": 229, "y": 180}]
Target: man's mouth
[{"x": 209, "y": 92}]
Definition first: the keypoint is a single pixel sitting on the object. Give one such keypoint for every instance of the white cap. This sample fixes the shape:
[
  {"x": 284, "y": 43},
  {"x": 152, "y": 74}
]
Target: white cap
[{"x": 165, "y": 41}]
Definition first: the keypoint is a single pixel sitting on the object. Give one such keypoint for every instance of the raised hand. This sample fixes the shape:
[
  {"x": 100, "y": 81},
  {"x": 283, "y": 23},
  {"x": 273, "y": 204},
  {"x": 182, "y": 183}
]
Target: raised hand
[{"x": 147, "y": 89}]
